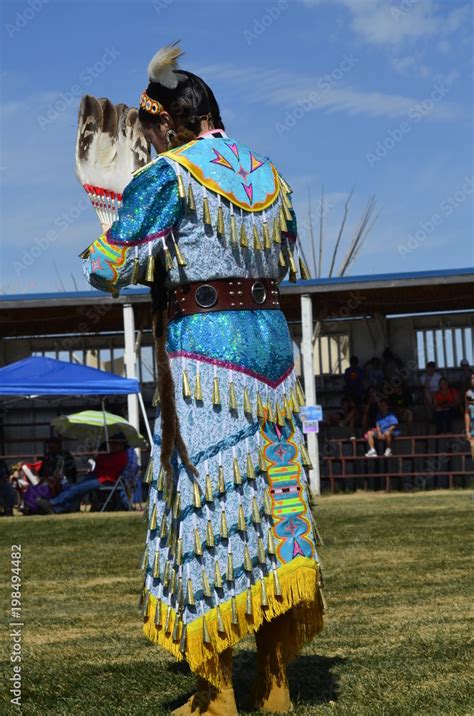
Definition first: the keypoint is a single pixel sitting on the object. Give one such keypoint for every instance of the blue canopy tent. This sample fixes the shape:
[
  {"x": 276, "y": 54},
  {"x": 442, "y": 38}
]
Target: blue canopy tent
[
  {"x": 39, "y": 376},
  {"x": 45, "y": 376}
]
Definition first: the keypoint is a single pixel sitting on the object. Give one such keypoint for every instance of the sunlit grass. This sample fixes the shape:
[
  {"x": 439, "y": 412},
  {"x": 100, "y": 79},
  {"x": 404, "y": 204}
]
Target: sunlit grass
[{"x": 398, "y": 584}]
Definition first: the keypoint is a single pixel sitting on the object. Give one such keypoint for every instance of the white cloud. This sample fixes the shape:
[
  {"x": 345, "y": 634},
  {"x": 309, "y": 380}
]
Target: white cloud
[
  {"x": 385, "y": 23},
  {"x": 289, "y": 90},
  {"x": 411, "y": 66},
  {"x": 380, "y": 23}
]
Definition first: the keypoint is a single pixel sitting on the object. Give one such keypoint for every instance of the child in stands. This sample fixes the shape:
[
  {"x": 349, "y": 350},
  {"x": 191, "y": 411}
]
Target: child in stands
[{"x": 386, "y": 429}]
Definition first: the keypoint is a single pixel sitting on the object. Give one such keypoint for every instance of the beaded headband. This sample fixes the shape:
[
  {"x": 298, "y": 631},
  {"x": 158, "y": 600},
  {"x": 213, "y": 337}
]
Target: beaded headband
[{"x": 152, "y": 106}]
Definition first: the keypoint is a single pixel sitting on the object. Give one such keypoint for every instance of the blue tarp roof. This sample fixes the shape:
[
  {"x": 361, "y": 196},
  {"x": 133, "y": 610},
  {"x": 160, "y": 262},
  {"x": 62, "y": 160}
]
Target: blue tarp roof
[{"x": 45, "y": 376}]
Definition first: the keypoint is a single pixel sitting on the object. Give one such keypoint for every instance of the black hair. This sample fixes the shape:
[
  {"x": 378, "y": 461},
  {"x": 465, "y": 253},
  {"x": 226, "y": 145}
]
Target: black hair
[{"x": 190, "y": 101}]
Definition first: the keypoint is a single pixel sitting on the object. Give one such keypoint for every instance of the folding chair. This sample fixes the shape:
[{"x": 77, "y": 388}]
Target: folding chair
[{"x": 126, "y": 481}]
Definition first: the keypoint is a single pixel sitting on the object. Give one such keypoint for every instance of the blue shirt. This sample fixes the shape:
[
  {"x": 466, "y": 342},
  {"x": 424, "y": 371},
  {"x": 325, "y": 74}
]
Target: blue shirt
[{"x": 384, "y": 422}]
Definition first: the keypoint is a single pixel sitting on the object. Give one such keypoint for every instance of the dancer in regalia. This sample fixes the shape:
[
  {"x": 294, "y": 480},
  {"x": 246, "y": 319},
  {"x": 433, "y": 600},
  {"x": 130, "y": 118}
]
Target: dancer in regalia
[{"x": 230, "y": 550}]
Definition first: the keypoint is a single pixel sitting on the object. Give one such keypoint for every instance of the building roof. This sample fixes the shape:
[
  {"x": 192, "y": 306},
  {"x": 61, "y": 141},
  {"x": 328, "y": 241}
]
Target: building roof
[{"x": 341, "y": 297}]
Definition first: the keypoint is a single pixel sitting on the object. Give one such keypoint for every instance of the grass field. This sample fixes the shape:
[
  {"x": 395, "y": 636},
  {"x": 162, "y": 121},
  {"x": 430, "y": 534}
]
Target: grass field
[{"x": 398, "y": 584}]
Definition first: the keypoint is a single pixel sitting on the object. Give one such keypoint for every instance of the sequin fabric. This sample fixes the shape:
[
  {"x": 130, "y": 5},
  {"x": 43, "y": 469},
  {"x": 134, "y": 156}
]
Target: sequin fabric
[
  {"x": 256, "y": 342},
  {"x": 150, "y": 208},
  {"x": 218, "y": 436}
]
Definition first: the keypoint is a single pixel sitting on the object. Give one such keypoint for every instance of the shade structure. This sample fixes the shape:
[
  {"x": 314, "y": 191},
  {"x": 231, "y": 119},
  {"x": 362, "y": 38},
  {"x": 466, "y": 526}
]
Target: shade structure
[
  {"x": 46, "y": 376},
  {"x": 98, "y": 423}
]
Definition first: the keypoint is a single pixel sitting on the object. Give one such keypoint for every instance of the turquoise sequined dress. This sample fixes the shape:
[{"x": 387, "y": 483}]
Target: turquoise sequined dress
[{"x": 236, "y": 545}]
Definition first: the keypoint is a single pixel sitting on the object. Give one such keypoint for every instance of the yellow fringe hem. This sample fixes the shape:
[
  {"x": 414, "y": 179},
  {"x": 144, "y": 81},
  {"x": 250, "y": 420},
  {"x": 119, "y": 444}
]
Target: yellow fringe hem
[{"x": 299, "y": 586}]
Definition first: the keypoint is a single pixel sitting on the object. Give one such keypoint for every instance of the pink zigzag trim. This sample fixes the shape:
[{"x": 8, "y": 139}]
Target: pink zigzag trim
[
  {"x": 145, "y": 240},
  {"x": 232, "y": 366}
]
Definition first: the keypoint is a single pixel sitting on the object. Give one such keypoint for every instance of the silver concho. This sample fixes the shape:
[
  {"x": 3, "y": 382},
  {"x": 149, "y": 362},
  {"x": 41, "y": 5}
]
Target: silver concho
[
  {"x": 259, "y": 294},
  {"x": 206, "y": 296}
]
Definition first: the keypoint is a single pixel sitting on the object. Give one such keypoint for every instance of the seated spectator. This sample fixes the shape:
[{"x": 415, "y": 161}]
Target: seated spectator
[
  {"x": 108, "y": 468},
  {"x": 430, "y": 382},
  {"x": 346, "y": 416},
  {"x": 401, "y": 400},
  {"x": 469, "y": 415},
  {"x": 370, "y": 408},
  {"x": 385, "y": 429},
  {"x": 354, "y": 380},
  {"x": 445, "y": 403},
  {"x": 30, "y": 486},
  {"x": 38, "y": 488},
  {"x": 57, "y": 463},
  {"x": 7, "y": 491},
  {"x": 374, "y": 373}
]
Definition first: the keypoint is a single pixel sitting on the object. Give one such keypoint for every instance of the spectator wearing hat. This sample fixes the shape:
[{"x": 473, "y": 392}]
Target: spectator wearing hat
[
  {"x": 108, "y": 468},
  {"x": 57, "y": 463}
]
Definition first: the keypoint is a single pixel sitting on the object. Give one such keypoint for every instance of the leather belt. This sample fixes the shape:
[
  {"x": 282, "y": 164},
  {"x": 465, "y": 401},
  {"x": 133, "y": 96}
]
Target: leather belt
[{"x": 224, "y": 294}]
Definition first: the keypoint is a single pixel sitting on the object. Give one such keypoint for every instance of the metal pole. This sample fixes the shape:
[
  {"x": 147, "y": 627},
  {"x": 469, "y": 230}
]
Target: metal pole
[
  {"x": 145, "y": 420},
  {"x": 310, "y": 387},
  {"x": 106, "y": 429},
  {"x": 130, "y": 362}
]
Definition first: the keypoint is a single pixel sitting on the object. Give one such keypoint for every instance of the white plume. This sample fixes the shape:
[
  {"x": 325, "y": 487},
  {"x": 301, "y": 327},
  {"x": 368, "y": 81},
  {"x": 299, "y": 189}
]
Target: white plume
[{"x": 163, "y": 65}]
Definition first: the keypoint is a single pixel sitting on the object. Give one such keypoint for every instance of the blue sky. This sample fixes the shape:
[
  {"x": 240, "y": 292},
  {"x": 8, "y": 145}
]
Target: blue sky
[{"x": 370, "y": 94}]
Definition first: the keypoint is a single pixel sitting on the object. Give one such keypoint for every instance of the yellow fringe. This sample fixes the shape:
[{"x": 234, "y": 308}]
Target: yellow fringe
[{"x": 299, "y": 582}]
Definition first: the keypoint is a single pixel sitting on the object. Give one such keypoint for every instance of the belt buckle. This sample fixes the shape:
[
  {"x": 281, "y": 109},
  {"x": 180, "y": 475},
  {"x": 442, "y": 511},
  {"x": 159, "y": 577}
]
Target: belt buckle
[
  {"x": 205, "y": 296},
  {"x": 259, "y": 293}
]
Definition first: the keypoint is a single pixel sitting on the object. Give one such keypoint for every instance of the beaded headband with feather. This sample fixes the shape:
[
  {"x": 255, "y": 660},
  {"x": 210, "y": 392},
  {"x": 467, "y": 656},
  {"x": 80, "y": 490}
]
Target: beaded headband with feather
[{"x": 162, "y": 70}]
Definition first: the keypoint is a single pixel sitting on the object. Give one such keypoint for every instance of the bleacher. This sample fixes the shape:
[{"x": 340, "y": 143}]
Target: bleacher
[{"x": 420, "y": 460}]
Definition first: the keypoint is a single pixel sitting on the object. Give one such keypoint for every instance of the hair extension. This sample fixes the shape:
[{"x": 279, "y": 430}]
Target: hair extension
[{"x": 170, "y": 431}]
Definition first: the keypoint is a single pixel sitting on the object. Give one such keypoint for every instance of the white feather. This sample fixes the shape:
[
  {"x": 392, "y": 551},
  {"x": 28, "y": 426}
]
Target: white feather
[{"x": 163, "y": 65}]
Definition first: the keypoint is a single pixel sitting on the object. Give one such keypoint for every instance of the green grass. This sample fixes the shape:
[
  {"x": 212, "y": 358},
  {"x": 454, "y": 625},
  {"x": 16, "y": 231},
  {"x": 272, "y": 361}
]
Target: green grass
[{"x": 398, "y": 585}]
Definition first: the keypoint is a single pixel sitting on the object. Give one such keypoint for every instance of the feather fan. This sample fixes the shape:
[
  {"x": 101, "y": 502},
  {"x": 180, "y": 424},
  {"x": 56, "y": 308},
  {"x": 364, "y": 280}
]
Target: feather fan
[{"x": 110, "y": 146}]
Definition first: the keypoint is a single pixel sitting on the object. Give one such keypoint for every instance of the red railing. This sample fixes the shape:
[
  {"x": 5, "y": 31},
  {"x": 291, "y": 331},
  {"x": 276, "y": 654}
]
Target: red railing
[{"x": 354, "y": 465}]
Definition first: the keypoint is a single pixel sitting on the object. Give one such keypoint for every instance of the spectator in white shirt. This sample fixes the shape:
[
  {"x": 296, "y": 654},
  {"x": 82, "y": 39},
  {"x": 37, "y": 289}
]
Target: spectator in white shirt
[{"x": 430, "y": 382}]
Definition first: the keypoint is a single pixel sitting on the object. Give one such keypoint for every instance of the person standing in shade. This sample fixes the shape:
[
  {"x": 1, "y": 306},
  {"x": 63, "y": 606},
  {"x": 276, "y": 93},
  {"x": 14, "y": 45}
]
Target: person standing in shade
[
  {"x": 469, "y": 415},
  {"x": 354, "y": 377},
  {"x": 445, "y": 403},
  {"x": 430, "y": 382}
]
